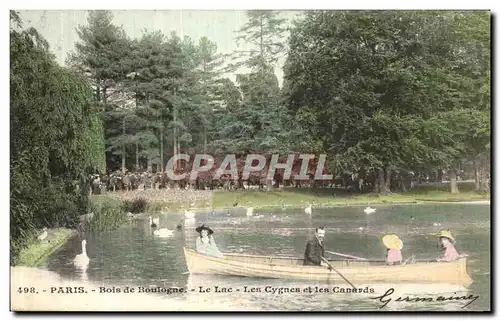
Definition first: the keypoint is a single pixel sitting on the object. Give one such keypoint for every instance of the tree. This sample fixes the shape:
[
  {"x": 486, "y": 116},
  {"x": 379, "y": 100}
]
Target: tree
[
  {"x": 100, "y": 52},
  {"x": 209, "y": 70},
  {"x": 55, "y": 137},
  {"x": 258, "y": 121},
  {"x": 374, "y": 82}
]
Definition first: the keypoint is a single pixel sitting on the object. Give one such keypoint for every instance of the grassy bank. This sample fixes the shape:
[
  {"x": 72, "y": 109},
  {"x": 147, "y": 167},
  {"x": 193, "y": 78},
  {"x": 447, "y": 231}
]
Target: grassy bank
[
  {"x": 37, "y": 251},
  {"x": 292, "y": 197},
  {"x": 108, "y": 214}
]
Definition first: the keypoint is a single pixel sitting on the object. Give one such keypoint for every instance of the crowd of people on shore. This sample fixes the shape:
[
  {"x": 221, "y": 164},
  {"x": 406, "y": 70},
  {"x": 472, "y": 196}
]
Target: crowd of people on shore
[{"x": 124, "y": 180}]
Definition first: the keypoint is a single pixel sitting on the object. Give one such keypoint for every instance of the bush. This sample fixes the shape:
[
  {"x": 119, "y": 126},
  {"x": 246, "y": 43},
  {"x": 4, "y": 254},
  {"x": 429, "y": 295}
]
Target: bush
[
  {"x": 107, "y": 217},
  {"x": 155, "y": 207},
  {"x": 138, "y": 205}
]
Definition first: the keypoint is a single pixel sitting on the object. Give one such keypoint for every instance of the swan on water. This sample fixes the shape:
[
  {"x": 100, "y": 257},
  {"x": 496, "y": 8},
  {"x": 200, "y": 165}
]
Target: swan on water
[
  {"x": 189, "y": 214},
  {"x": 82, "y": 259},
  {"x": 250, "y": 211},
  {"x": 163, "y": 232},
  {"x": 44, "y": 235},
  {"x": 308, "y": 209},
  {"x": 190, "y": 221},
  {"x": 130, "y": 215},
  {"x": 369, "y": 210},
  {"x": 437, "y": 224}
]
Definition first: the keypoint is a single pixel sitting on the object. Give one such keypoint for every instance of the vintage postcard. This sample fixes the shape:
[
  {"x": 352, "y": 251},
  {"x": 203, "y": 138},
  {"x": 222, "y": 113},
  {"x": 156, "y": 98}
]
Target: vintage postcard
[{"x": 261, "y": 160}]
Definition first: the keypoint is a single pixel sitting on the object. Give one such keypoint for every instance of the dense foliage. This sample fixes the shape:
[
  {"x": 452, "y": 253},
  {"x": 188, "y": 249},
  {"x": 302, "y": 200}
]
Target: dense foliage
[{"x": 56, "y": 137}]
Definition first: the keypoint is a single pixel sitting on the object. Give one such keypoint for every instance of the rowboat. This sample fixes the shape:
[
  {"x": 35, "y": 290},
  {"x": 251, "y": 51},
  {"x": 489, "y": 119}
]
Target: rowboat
[{"x": 356, "y": 271}]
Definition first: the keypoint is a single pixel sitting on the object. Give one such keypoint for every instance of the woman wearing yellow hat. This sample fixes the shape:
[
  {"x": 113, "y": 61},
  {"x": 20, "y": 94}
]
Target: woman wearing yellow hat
[
  {"x": 394, "y": 246},
  {"x": 447, "y": 247}
]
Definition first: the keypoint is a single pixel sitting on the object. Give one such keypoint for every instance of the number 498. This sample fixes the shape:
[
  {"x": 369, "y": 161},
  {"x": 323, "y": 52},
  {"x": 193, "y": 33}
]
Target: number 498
[{"x": 26, "y": 290}]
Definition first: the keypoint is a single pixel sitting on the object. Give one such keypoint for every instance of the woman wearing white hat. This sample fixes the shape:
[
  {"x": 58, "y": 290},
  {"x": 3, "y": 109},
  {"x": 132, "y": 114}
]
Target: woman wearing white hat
[{"x": 447, "y": 247}]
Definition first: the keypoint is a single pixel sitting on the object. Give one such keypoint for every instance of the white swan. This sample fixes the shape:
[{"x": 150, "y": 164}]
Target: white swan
[
  {"x": 308, "y": 209},
  {"x": 132, "y": 216},
  {"x": 82, "y": 259},
  {"x": 189, "y": 214},
  {"x": 250, "y": 211},
  {"x": 369, "y": 210},
  {"x": 190, "y": 221},
  {"x": 44, "y": 235},
  {"x": 437, "y": 224},
  {"x": 165, "y": 232}
]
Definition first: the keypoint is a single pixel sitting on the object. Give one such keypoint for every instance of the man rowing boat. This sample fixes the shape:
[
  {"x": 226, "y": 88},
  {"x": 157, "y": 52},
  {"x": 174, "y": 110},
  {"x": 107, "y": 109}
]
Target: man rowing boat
[{"x": 315, "y": 250}]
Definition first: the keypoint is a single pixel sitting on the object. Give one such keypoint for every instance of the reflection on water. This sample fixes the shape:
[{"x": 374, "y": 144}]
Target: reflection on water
[{"x": 133, "y": 256}]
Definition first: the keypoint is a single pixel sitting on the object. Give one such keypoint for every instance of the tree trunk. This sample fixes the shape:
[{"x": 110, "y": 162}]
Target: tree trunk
[
  {"x": 161, "y": 149},
  {"x": 453, "y": 181},
  {"x": 375, "y": 187},
  {"x": 161, "y": 146},
  {"x": 178, "y": 148},
  {"x": 150, "y": 167},
  {"x": 381, "y": 181},
  {"x": 205, "y": 139},
  {"x": 123, "y": 145},
  {"x": 483, "y": 174},
  {"x": 137, "y": 143},
  {"x": 440, "y": 176},
  {"x": 137, "y": 155},
  {"x": 476, "y": 174},
  {"x": 174, "y": 165},
  {"x": 388, "y": 173}
]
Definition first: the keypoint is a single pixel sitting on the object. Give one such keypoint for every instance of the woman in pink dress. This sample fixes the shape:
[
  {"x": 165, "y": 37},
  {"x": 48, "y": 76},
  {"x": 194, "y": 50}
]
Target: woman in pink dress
[
  {"x": 394, "y": 245},
  {"x": 447, "y": 247}
]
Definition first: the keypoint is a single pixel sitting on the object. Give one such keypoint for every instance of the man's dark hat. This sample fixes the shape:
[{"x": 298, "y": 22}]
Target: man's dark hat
[{"x": 204, "y": 227}]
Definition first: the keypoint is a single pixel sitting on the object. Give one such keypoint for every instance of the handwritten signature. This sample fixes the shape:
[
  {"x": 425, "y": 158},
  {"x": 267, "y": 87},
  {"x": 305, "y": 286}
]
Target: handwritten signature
[{"x": 386, "y": 298}]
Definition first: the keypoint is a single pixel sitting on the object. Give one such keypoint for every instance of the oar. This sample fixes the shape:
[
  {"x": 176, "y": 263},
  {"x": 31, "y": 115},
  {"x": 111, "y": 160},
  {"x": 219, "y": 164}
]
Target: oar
[
  {"x": 331, "y": 267},
  {"x": 412, "y": 258},
  {"x": 346, "y": 255}
]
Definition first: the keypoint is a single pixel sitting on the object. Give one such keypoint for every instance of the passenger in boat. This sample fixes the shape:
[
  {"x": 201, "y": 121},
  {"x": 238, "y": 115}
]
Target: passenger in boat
[
  {"x": 314, "y": 249},
  {"x": 394, "y": 245},
  {"x": 205, "y": 243},
  {"x": 447, "y": 247}
]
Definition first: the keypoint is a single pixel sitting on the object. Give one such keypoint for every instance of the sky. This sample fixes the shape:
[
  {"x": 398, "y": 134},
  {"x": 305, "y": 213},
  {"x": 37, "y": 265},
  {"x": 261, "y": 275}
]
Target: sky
[{"x": 59, "y": 26}]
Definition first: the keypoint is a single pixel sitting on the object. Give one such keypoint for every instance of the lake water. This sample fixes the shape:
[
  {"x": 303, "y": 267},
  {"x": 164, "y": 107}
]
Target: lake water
[{"x": 133, "y": 256}]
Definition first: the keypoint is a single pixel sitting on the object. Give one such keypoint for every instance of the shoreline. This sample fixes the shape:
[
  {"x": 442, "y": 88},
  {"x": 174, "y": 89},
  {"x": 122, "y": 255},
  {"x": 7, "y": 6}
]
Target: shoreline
[{"x": 36, "y": 253}]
